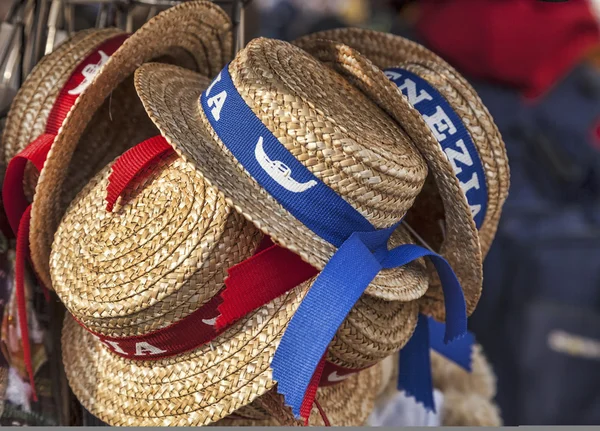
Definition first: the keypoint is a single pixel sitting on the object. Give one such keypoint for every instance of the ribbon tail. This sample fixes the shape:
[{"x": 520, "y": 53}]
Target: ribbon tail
[
  {"x": 311, "y": 392},
  {"x": 459, "y": 351},
  {"x": 414, "y": 375},
  {"x": 21, "y": 256},
  {"x": 313, "y": 326},
  {"x": 454, "y": 298}
]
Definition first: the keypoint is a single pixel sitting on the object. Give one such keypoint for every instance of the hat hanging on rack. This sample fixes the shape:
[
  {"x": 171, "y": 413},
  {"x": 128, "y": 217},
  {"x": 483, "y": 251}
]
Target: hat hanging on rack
[{"x": 83, "y": 93}]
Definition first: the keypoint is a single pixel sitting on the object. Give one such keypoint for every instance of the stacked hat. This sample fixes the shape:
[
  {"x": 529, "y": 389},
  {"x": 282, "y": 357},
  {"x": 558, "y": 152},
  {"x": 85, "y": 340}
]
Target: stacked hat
[
  {"x": 144, "y": 277},
  {"x": 458, "y": 210},
  {"x": 317, "y": 166},
  {"x": 77, "y": 110},
  {"x": 83, "y": 94}
]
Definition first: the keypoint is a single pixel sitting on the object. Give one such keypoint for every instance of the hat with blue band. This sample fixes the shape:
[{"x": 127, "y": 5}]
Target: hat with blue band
[
  {"x": 464, "y": 142},
  {"x": 314, "y": 164},
  {"x": 435, "y": 106},
  {"x": 386, "y": 51}
]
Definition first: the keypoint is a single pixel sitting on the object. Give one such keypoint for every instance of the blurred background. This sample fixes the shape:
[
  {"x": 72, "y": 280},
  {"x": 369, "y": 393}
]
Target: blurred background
[{"x": 536, "y": 65}]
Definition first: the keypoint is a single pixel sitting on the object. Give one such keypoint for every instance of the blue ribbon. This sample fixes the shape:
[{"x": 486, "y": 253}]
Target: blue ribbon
[
  {"x": 414, "y": 376},
  {"x": 452, "y": 135},
  {"x": 458, "y": 351},
  {"x": 362, "y": 249},
  {"x": 454, "y": 138}
]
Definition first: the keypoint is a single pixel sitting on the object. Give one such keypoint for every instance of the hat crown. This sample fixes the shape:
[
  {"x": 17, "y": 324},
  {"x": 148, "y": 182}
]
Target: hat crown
[
  {"x": 332, "y": 128},
  {"x": 159, "y": 256}
]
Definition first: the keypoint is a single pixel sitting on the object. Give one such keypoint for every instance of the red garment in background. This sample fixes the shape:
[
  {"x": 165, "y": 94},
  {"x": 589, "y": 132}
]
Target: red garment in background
[{"x": 527, "y": 44}]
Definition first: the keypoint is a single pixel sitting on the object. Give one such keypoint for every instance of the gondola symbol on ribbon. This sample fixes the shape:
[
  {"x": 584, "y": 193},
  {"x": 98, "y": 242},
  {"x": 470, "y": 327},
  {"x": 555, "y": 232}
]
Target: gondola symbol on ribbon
[
  {"x": 88, "y": 72},
  {"x": 279, "y": 171}
]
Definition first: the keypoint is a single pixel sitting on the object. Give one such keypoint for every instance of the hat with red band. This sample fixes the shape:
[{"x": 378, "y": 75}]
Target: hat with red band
[
  {"x": 317, "y": 166},
  {"x": 140, "y": 260},
  {"x": 65, "y": 101},
  {"x": 106, "y": 118},
  {"x": 469, "y": 174},
  {"x": 37, "y": 113}
]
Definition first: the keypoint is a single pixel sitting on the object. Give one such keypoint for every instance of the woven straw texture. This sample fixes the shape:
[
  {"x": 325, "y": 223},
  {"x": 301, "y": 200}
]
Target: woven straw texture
[
  {"x": 153, "y": 260},
  {"x": 194, "y": 388},
  {"x": 195, "y": 35},
  {"x": 460, "y": 245},
  {"x": 348, "y": 403},
  {"x": 33, "y": 102},
  {"x": 344, "y": 139}
]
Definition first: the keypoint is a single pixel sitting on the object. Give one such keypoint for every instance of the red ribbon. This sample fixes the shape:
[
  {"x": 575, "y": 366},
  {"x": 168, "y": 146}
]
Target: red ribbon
[
  {"x": 311, "y": 392},
  {"x": 16, "y": 206},
  {"x": 186, "y": 334},
  {"x": 260, "y": 279},
  {"x": 132, "y": 164}
]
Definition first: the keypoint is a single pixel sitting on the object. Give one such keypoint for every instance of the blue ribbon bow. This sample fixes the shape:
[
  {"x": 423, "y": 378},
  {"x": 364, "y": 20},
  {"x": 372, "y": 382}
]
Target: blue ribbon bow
[{"x": 362, "y": 250}]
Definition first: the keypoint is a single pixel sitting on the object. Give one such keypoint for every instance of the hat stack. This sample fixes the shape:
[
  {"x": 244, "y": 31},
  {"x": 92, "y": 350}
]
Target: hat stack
[
  {"x": 221, "y": 232},
  {"x": 142, "y": 273}
]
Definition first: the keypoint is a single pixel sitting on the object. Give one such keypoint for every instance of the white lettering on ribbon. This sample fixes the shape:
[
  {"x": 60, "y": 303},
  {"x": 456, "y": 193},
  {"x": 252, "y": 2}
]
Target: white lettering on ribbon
[
  {"x": 216, "y": 103},
  {"x": 143, "y": 348},
  {"x": 439, "y": 122},
  {"x": 112, "y": 345},
  {"x": 465, "y": 158},
  {"x": 210, "y": 322},
  {"x": 212, "y": 84},
  {"x": 335, "y": 377}
]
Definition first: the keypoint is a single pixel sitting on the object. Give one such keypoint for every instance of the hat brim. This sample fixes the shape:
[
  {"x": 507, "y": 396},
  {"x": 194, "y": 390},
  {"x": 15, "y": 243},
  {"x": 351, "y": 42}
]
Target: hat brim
[
  {"x": 194, "y": 388},
  {"x": 461, "y": 246},
  {"x": 348, "y": 403},
  {"x": 171, "y": 97},
  {"x": 388, "y": 50},
  {"x": 194, "y": 34}
]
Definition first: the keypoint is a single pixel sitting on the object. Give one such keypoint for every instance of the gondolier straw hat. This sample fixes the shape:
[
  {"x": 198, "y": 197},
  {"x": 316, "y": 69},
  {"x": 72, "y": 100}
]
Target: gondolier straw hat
[{"x": 467, "y": 161}]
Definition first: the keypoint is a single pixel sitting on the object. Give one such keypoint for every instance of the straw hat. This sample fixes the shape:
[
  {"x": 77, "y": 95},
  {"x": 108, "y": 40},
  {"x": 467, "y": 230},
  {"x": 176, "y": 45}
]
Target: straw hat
[
  {"x": 346, "y": 404},
  {"x": 106, "y": 118},
  {"x": 35, "y": 99},
  {"x": 330, "y": 127},
  {"x": 440, "y": 199},
  {"x": 387, "y": 50},
  {"x": 153, "y": 262}
]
